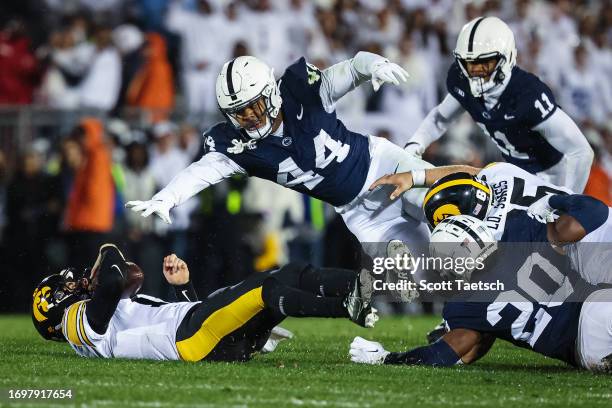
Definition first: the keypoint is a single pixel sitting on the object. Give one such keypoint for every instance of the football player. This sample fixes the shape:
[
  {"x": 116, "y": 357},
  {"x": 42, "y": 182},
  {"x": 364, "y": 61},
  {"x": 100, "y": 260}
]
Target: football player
[
  {"x": 547, "y": 323},
  {"x": 99, "y": 316},
  {"x": 286, "y": 131},
  {"x": 513, "y": 107}
]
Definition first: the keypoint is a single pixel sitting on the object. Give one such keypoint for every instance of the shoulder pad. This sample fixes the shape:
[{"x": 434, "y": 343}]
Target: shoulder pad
[
  {"x": 535, "y": 99},
  {"x": 217, "y": 138},
  {"x": 303, "y": 81}
]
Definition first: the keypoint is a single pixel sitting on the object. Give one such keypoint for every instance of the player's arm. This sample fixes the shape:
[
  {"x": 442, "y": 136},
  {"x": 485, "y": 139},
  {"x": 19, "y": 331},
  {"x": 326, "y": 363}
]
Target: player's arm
[
  {"x": 420, "y": 178},
  {"x": 434, "y": 125},
  {"x": 569, "y": 218},
  {"x": 176, "y": 273},
  {"x": 210, "y": 169},
  {"x": 451, "y": 349},
  {"x": 343, "y": 77},
  {"x": 565, "y": 136},
  {"x": 108, "y": 274}
]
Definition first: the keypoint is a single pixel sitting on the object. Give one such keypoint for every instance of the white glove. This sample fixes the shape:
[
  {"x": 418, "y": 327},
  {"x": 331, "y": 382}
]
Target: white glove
[
  {"x": 146, "y": 208},
  {"x": 367, "y": 352},
  {"x": 414, "y": 149},
  {"x": 388, "y": 72},
  {"x": 542, "y": 211}
]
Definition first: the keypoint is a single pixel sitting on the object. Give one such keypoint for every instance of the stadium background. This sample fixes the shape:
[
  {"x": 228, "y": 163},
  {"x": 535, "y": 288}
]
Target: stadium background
[{"x": 137, "y": 76}]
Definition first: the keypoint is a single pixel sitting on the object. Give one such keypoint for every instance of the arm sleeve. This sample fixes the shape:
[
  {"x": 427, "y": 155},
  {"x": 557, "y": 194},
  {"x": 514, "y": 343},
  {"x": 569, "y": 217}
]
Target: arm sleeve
[
  {"x": 343, "y": 77},
  {"x": 588, "y": 211},
  {"x": 107, "y": 293},
  {"x": 565, "y": 136},
  {"x": 186, "y": 292},
  {"x": 438, "y": 354},
  {"x": 436, "y": 122},
  {"x": 210, "y": 169}
]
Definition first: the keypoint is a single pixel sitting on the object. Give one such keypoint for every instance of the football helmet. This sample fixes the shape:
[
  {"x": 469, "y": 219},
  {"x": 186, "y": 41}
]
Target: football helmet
[
  {"x": 52, "y": 296},
  {"x": 248, "y": 96},
  {"x": 455, "y": 194},
  {"x": 461, "y": 237},
  {"x": 482, "y": 39}
]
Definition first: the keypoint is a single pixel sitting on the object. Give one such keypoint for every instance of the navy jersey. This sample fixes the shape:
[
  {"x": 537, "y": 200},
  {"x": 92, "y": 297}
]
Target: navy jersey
[
  {"x": 539, "y": 307},
  {"x": 525, "y": 103},
  {"x": 315, "y": 155}
]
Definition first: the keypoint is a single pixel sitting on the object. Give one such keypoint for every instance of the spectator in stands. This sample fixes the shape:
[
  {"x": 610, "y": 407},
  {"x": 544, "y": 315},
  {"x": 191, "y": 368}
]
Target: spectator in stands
[
  {"x": 99, "y": 88},
  {"x": 152, "y": 87},
  {"x": 89, "y": 214},
  {"x": 18, "y": 66},
  {"x": 33, "y": 205}
]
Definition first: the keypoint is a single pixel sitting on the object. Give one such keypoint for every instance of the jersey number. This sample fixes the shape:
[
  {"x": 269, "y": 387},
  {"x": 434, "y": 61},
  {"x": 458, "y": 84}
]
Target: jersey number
[
  {"x": 518, "y": 193},
  {"x": 532, "y": 315},
  {"x": 503, "y": 143},
  {"x": 310, "y": 179},
  {"x": 544, "y": 110}
]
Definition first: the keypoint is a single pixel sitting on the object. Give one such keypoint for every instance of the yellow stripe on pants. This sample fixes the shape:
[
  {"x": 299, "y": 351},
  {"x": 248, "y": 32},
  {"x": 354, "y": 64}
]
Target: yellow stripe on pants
[{"x": 219, "y": 324}]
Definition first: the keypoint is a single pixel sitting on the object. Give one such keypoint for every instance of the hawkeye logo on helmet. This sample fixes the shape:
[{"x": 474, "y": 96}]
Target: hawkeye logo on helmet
[
  {"x": 40, "y": 303},
  {"x": 445, "y": 211}
]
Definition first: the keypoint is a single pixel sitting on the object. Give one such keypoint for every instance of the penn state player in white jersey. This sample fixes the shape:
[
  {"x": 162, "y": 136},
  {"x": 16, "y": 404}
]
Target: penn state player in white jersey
[
  {"x": 287, "y": 132},
  {"x": 513, "y": 107},
  {"x": 99, "y": 315},
  {"x": 548, "y": 322}
]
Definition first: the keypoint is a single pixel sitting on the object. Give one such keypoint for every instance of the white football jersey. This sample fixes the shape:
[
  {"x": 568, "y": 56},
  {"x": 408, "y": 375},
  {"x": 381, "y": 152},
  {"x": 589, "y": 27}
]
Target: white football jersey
[
  {"x": 141, "y": 328},
  {"x": 513, "y": 188}
]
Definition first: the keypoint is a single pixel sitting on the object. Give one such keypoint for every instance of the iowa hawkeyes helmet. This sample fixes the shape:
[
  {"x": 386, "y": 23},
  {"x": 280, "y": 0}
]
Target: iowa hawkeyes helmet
[
  {"x": 457, "y": 194},
  {"x": 52, "y": 296}
]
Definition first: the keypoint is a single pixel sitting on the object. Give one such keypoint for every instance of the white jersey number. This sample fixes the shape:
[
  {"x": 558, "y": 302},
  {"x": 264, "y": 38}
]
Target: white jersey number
[{"x": 310, "y": 179}]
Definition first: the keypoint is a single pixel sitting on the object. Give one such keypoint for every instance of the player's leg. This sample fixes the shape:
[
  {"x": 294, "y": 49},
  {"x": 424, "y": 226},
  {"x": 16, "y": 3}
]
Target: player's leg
[
  {"x": 594, "y": 340},
  {"x": 284, "y": 298},
  {"x": 327, "y": 282}
]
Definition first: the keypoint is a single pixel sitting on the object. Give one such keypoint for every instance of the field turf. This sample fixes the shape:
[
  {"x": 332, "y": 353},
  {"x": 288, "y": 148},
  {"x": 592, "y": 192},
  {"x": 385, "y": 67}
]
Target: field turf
[{"x": 311, "y": 370}]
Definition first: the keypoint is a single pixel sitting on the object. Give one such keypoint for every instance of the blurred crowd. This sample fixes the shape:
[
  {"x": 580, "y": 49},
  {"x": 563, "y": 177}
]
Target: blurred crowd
[{"x": 145, "y": 70}]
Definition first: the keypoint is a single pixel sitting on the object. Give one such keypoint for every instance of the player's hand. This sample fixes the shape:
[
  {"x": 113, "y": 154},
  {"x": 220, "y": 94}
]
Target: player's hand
[
  {"x": 402, "y": 182},
  {"x": 159, "y": 207},
  {"x": 388, "y": 72},
  {"x": 542, "y": 211},
  {"x": 414, "y": 149},
  {"x": 175, "y": 270},
  {"x": 367, "y": 352}
]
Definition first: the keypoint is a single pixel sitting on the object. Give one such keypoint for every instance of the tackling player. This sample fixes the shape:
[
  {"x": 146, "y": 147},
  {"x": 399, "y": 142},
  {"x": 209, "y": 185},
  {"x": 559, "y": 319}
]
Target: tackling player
[
  {"x": 513, "y": 107},
  {"x": 575, "y": 332},
  {"x": 286, "y": 131},
  {"x": 99, "y": 316}
]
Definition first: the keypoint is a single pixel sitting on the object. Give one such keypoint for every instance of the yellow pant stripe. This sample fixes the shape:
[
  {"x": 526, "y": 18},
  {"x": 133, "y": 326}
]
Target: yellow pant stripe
[
  {"x": 82, "y": 332},
  {"x": 73, "y": 336},
  {"x": 454, "y": 183},
  {"x": 219, "y": 324}
]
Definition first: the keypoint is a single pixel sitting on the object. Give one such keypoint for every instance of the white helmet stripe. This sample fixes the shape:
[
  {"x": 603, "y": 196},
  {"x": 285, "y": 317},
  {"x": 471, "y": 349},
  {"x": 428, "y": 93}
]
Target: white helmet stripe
[
  {"x": 473, "y": 34},
  {"x": 230, "y": 83}
]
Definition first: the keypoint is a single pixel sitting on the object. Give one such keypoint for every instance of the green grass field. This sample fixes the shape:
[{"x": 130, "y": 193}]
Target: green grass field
[{"x": 311, "y": 370}]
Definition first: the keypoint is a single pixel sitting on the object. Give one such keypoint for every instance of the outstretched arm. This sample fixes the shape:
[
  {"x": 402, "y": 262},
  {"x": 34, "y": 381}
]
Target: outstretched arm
[
  {"x": 176, "y": 273},
  {"x": 455, "y": 347},
  {"x": 565, "y": 136},
  {"x": 210, "y": 169},
  {"x": 343, "y": 77},
  {"x": 434, "y": 125},
  {"x": 420, "y": 178},
  {"x": 108, "y": 275}
]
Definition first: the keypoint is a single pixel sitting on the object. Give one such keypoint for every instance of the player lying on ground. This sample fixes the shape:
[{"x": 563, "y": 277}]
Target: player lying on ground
[
  {"x": 575, "y": 332},
  {"x": 515, "y": 108},
  {"x": 100, "y": 317},
  {"x": 286, "y": 131}
]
